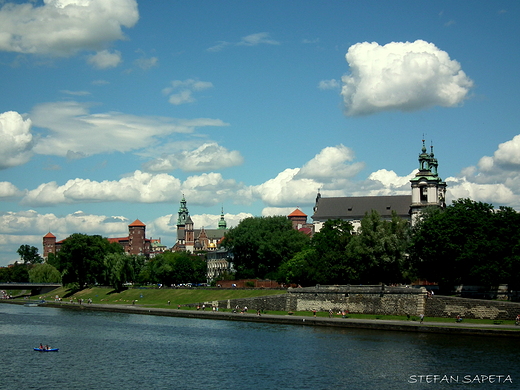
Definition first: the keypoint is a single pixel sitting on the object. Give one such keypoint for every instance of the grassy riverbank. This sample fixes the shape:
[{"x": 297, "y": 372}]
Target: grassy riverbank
[{"x": 158, "y": 298}]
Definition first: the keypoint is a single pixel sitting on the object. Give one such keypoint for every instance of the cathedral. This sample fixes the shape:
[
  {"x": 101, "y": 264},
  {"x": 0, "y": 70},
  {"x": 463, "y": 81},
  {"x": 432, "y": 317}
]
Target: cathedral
[
  {"x": 428, "y": 189},
  {"x": 191, "y": 239}
]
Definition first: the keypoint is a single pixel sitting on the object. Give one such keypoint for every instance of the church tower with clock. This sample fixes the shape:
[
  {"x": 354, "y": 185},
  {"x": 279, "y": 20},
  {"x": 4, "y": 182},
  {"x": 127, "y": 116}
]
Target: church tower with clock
[{"x": 428, "y": 189}]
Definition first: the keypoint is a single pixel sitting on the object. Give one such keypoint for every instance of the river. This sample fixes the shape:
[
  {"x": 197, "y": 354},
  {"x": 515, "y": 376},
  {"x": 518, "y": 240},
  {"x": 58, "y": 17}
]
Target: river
[{"x": 100, "y": 350}]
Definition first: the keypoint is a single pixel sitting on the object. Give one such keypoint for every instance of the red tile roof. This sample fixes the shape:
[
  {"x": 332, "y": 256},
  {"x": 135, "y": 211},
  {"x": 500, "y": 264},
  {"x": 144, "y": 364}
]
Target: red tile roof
[
  {"x": 306, "y": 230},
  {"x": 117, "y": 239},
  {"x": 137, "y": 223},
  {"x": 49, "y": 235},
  {"x": 297, "y": 213}
]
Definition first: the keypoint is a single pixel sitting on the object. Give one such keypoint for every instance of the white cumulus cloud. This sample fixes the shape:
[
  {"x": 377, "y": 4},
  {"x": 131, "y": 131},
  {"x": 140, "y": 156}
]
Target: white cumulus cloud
[
  {"x": 497, "y": 194},
  {"x": 63, "y": 27},
  {"x": 105, "y": 59},
  {"x": 209, "y": 156},
  {"x": 139, "y": 187},
  {"x": 330, "y": 163},
  {"x": 17, "y": 140},
  {"x": 494, "y": 179},
  {"x": 404, "y": 76},
  {"x": 390, "y": 183},
  {"x": 9, "y": 190},
  {"x": 286, "y": 188},
  {"x": 210, "y": 189}
]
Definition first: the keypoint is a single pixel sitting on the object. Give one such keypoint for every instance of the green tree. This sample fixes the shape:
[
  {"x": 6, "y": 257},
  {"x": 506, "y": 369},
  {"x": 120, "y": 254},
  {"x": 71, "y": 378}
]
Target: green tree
[
  {"x": 468, "y": 243},
  {"x": 261, "y": 244},
  {"x": 16, "y": 272},
  {"x": 118, "y": 269},
  {"x": 19, "y": 273},
  {"x": 300, "y": 269},
  {"x": 330, "y": 263},
  {"x": 324, "y": 260},
  {"x": 81, "y": 259},
  {"x": 5, "y": 275},
  {"x": 174, "y": 268},
  {"x": 378, "y": 250},
  {"x": 44, "y": 273},
  {"x": 29, "y": 254}
]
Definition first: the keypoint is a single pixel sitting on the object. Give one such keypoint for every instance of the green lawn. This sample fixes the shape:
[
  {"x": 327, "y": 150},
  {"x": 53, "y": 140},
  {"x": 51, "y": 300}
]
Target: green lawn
[{"x": 156, "y": 297}]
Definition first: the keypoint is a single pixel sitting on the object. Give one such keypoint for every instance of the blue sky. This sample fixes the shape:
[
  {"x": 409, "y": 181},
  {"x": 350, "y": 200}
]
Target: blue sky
[{"x": 111, "y": 110}]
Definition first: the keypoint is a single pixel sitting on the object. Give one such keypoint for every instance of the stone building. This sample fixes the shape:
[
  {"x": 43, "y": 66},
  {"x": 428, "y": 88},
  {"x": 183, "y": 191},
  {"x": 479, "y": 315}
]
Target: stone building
[
  {"x": 191, "y": 239},
  {"x": 219, "y": 261},
  {"x": 135, "y": 243},
  {"x": 427, "y": 189}
]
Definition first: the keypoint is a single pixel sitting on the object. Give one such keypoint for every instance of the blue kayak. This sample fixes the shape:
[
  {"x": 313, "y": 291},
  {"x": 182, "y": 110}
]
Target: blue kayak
[{"x": 47, "y": 350}]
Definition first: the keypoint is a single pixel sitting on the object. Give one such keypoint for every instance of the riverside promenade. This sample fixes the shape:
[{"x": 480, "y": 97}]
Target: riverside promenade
[{"x": 448, "y": 327}]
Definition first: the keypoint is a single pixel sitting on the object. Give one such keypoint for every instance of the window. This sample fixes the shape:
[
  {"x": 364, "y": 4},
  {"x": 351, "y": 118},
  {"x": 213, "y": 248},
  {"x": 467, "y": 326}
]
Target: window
[{"x": 424, "y": 194}]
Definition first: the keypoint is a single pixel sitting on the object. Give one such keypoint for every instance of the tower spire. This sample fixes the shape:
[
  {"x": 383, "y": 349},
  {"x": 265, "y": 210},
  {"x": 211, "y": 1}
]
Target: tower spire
[
  {"x": 222, "y": 223},
  {"x": 428, "y": 189},
  {"x": 183, "y": 212}
]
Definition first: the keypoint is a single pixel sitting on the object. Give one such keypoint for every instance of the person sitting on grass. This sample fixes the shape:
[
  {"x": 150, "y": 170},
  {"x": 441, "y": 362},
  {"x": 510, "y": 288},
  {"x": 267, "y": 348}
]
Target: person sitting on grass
[{"x": 459, "y": 319}]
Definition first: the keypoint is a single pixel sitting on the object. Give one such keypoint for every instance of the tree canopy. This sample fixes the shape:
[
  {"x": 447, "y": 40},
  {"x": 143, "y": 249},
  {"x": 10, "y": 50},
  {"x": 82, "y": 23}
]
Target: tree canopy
[
  {"x": 261, "y": 244},
  {"x": 468, "y": 243},
  {"x": 81, "y": 259},
  {"x": 44, "y": 273},
  {"x": 29, "y": 254},
  {"x": 324, "y": 260},
  {"x": 378, "y": 251},
  {"x": 175, "y": 268},
  {"x": 375, "y": 253}
]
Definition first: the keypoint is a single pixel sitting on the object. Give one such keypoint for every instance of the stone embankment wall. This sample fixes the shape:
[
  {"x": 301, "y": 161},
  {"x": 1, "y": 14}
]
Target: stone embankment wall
[
  {"x": 381, "y": 300},
  {"x": 356, "y": 299},
  {"x": 450, "y": 307}
]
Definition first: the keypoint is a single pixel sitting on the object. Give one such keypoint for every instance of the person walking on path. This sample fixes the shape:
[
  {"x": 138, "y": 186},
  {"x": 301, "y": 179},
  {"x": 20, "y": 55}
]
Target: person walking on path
[{"x": 422, "y": 318}]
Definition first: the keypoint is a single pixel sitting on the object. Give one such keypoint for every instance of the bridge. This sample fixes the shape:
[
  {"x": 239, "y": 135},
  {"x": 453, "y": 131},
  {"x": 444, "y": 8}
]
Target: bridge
[{"x": 35, "y": 288}]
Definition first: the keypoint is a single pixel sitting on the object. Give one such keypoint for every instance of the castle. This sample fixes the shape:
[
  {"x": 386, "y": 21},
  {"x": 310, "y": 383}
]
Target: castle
[
  {"x": 135, "y": 243},
  {"x": 428, "y": 189}
]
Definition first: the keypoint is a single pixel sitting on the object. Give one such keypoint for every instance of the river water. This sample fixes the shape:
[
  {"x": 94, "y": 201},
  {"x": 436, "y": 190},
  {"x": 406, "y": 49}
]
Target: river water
[{"x": 100, "y": 350}]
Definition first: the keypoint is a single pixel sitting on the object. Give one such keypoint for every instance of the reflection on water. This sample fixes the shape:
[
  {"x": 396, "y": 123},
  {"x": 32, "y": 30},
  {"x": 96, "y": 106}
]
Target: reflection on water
[{"x": 101, "y": 350}]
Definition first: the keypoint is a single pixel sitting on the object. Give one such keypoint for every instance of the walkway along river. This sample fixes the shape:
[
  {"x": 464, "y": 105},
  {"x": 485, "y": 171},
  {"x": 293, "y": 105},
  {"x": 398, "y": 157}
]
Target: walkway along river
[{"x": 495, "y": 330}]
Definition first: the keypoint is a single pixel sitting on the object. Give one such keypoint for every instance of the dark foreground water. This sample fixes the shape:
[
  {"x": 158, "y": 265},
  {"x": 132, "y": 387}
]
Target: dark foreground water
[{"x": 127, "y": 351}]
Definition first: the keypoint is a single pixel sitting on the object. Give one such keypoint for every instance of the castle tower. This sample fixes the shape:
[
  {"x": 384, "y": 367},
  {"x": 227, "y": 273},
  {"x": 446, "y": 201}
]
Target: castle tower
[
  {"x": 428, "y": 189},
  {"x": 298, "y": 219},
  {"x": 49, "y": 244},
  {"x": 136, "y": 238}
]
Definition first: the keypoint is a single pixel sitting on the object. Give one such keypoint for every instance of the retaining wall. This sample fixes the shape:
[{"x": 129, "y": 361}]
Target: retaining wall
[
  {"x": 381, "y": 300},
  {"x": 450, "y": 307}
]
